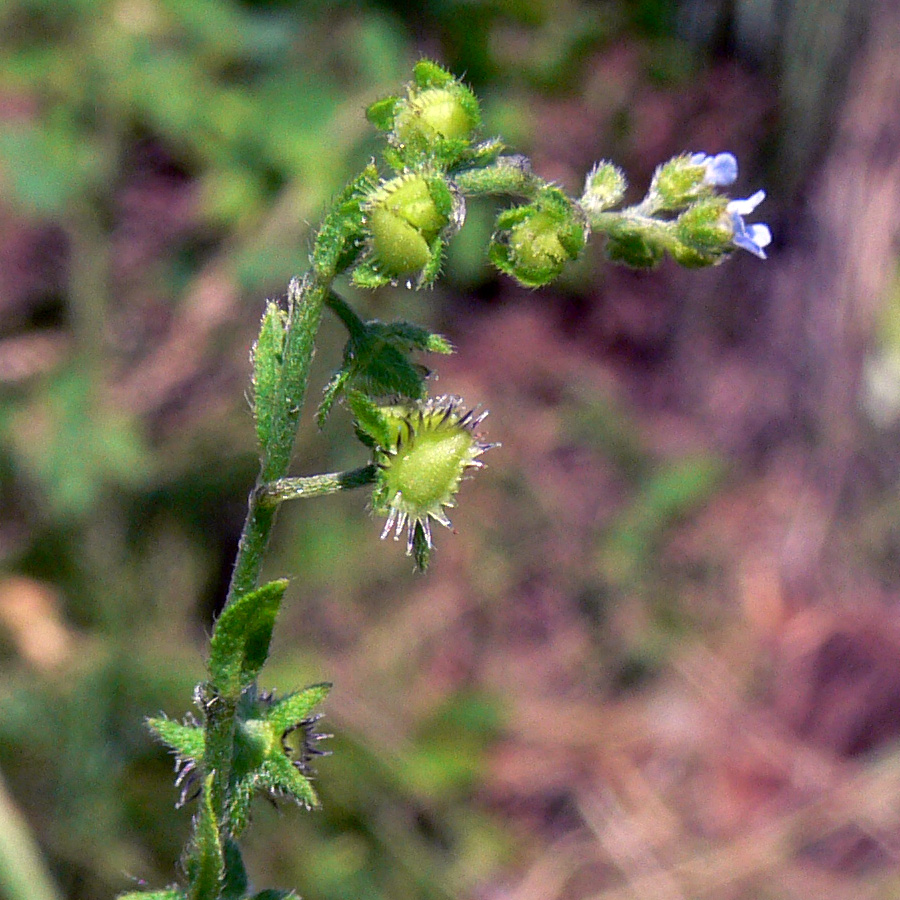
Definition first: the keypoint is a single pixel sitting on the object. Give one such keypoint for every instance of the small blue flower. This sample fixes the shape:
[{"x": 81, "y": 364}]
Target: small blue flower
[
  {"x": 752, "y": 238},
  {"x": 721, "y": 169}
]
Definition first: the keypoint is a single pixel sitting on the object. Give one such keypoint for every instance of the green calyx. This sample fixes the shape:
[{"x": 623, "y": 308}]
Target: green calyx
[
  {"x": 706, "y": 226},
  {"x": 431, "y": 445},
  {"x": 407, "y": 219},
  {"x": 678, "y": 182},
  {"x": 534, "y": 242},
  {"x": 275, "y": 742}
]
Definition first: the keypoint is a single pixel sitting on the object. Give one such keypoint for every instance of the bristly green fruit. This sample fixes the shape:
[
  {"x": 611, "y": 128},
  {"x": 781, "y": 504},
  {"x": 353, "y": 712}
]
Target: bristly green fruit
[
  {"x": 533, "y": 243},
  {"x": 435, "y": 122},
  {"x": 431, "y": 446},
  {"x": 407, "y": 219},
  {"x": 448, "y": 114}
]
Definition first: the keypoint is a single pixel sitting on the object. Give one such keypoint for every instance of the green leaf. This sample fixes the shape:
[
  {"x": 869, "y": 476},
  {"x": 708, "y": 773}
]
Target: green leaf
[
  {"x": 339, "y": 240},
  {"x": 421, "y": 548},
  {"x": 367, "y": 275},
  {"x": 394, "y": 159},
  {"x": 331, "y": 392},
  {"x": 386, "y": 371},
  {"x": 484, "y": 153},
  {"x": 186, "y": 740},
  {"x": 205, "y": 863},
  {"x": 376, "y": 361},
  {"x": 414, "y": 336},
  {"x": 279, "y": 774},
  {"x": 267, "y": 360},
  {"x": 240, "y": 640},
  {"x": 294, "y": 708},
  {"x": 273, "y": 894},
  {"x": 428, "y": 74},
  {"x": 239, "y": 805},
  {"x": 381, "y": 113},
  {"x": 436, "y": 261}
]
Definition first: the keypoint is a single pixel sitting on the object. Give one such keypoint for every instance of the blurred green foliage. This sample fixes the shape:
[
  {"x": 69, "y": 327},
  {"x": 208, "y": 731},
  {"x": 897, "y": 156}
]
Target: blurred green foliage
[{"x": 240, "y": 120}]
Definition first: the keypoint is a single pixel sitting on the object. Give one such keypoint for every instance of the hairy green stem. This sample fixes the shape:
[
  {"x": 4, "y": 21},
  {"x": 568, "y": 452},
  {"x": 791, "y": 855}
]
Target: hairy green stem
[
  {"x": 627, "y": 221},
  {"x": 348, "y": 316},
  {"x": 277, "y": 492},
  {"x": 306, "y": 299},
  {"x": 508, "y": 175}
]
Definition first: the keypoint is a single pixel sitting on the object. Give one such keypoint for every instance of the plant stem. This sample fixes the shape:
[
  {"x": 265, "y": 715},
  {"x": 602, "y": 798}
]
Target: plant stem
[
  {"x": 627, "y": 221},
  {"x": 277, "y": 492},
  {"x": 306, "y": 299},
  {"x": 509, "y": 175},
  {"x": 352, "y": 322}
]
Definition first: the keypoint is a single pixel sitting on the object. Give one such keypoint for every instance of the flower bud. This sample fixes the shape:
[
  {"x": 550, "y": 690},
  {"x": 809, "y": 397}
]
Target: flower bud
[
  {"x": 604, "y": 187},
  {"x": 706, "y": 226},
  {"x": 682, "y": 180},
  {"x": 720, "y": 170},
  {"x": 434, "y": 444},
  {"x": 533, "y": 243}
]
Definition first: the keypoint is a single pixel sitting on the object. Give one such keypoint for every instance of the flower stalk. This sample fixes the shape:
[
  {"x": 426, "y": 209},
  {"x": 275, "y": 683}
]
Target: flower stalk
[{"x": 277, "y": 492}]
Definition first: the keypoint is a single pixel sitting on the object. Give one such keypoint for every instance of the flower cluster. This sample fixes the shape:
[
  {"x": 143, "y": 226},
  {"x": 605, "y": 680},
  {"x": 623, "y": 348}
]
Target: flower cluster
[
  {"x": 721, "y": 170},
  {"x": 684, "y": 213}
]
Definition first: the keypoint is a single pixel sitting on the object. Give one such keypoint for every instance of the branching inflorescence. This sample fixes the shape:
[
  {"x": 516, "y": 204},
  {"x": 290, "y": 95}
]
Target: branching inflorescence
[{"x": 392, "y": 225}]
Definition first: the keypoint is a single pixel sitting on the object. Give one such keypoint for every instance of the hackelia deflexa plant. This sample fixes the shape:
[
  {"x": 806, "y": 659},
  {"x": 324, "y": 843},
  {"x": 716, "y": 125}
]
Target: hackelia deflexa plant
[{"x": 392, "y": 225}]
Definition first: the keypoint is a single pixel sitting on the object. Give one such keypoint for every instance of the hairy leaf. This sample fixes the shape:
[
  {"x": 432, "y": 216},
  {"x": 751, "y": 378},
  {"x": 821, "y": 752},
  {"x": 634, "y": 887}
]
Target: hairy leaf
[
  {"x": 240, "y": 641},
  {"x": 267, "y": 359},
  {"x": 186, "y": 740}
]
